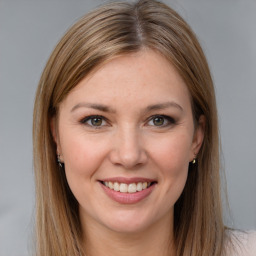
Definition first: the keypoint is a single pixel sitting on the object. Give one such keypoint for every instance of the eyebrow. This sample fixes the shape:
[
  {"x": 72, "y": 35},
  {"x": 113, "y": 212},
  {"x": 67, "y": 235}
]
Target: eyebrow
[
  {"x": 100, "y": 107},
  {"x": 164, "y": 106},
  {"x": 105, "y": 108}
]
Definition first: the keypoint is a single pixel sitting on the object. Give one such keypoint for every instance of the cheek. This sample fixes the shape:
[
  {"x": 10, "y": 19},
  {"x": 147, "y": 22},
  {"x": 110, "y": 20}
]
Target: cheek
[
  {"x": 172, "y": 158},
  {"x": 82, "y": 154},
  {"x": 172, "y": 152}
]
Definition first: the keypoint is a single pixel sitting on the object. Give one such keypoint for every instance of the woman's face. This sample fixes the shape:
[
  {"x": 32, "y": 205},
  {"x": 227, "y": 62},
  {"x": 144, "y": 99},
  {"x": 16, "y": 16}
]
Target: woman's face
[{"x": 126, "y": 136}]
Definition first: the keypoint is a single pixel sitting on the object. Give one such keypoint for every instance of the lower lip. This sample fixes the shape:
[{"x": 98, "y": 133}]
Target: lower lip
[{"x": 128, "y": 198}]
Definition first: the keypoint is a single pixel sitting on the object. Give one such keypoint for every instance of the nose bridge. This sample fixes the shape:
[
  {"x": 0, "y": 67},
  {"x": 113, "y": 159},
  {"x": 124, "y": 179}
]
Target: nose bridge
[{"x": 128, "y": 148}]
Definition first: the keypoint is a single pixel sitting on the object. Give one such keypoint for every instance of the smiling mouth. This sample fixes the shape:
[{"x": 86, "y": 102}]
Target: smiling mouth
[{"x": 127, "y": 188}]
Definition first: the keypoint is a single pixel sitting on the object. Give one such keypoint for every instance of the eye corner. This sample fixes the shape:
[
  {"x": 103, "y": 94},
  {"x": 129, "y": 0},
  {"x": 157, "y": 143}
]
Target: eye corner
[
  {"x": 94, "y": 121},
  {"x": 161, "y": 121}
]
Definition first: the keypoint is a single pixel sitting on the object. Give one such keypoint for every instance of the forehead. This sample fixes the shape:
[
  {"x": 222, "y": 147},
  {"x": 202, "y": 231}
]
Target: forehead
[{"x": 141, "y": 77}]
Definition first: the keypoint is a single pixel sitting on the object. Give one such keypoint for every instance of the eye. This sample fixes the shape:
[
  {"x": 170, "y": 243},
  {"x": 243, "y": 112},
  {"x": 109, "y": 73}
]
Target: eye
[
  {"x": 95, "y": 121},
  {"x": 161, "y": 120}
]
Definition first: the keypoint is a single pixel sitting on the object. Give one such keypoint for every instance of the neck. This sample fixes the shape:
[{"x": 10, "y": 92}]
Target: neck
[{"x": 155, "y": 240}]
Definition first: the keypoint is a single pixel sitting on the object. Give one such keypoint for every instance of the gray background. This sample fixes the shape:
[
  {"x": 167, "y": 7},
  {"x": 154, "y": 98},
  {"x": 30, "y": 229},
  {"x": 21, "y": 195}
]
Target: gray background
[{"x": 28, "y": 32}]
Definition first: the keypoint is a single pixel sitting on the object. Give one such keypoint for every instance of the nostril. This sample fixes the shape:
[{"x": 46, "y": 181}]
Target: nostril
[{"x": 128, "y": 158}]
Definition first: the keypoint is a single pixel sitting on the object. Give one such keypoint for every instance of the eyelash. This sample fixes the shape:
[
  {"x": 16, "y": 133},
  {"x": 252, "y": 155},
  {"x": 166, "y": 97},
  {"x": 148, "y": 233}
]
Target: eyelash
[
  {"x": 85, "y": 120},
  {"x": 168, "y": 121}
]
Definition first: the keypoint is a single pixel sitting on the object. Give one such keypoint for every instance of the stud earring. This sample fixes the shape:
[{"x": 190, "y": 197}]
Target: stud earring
[
  {"x": 59, "y": 161},
  {"x": 194, "y": 160}
]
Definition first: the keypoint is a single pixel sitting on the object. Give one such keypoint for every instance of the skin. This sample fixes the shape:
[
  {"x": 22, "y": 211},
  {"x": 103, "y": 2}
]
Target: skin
[{"x": 129, "y": 142}]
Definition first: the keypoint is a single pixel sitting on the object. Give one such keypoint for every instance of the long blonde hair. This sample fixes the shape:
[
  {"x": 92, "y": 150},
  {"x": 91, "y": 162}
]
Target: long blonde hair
[{"x": 115, "y": 29}]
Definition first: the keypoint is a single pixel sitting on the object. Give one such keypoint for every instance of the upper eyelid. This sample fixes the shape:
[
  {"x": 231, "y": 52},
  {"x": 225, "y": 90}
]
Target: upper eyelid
[
  {"x": 168, "y": 122},
  {"x": 85, "y": 119},
  {"x": 163, "y": 116}
]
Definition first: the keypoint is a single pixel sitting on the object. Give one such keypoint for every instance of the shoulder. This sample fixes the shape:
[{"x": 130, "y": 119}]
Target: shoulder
[{"x": 241, "y": 243}]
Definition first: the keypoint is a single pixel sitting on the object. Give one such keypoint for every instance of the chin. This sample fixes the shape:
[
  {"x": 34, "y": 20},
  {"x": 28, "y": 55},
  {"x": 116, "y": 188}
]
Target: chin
[
  {"x": 129, "y": 222},
  {"x": 130, "y": 227}
]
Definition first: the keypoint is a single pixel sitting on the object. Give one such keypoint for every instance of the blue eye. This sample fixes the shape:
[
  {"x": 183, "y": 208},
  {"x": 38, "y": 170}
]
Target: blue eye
[
  {"x": 95, "y": 121},
  {"x": 161, "y": 120}
]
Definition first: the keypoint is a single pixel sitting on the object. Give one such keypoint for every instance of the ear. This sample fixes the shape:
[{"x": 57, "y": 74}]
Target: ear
[
  {"x": 54, "y": 131},
  {"x": 198, "y": 137}
]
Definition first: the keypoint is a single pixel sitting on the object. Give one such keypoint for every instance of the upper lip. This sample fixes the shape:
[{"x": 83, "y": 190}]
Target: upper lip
[{"x": 128, "y": 180}]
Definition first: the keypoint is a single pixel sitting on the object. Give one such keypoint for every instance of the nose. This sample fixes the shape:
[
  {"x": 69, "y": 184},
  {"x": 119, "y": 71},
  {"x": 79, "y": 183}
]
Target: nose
[{"x": 127, "y": 149}]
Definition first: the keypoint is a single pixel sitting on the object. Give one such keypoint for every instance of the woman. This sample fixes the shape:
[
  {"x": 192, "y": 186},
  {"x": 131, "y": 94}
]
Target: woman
[{"x": 126, "y": 145}]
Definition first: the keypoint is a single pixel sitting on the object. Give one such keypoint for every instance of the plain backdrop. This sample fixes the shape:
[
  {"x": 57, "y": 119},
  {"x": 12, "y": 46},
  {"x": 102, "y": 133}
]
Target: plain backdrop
[{"x": 29, "y": 30}]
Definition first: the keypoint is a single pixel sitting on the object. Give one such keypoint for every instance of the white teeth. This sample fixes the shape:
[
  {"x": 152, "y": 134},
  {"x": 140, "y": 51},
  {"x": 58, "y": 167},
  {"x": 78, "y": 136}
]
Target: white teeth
[
  {"x": 139, "y": 186},
  {"x": 132, "y": 188},
  {"x": 127, "y": 188},
  {"x": 116, "y": 186},
  {"x": 123, "y": 188},
  {"x": 110, "y": 185}
]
